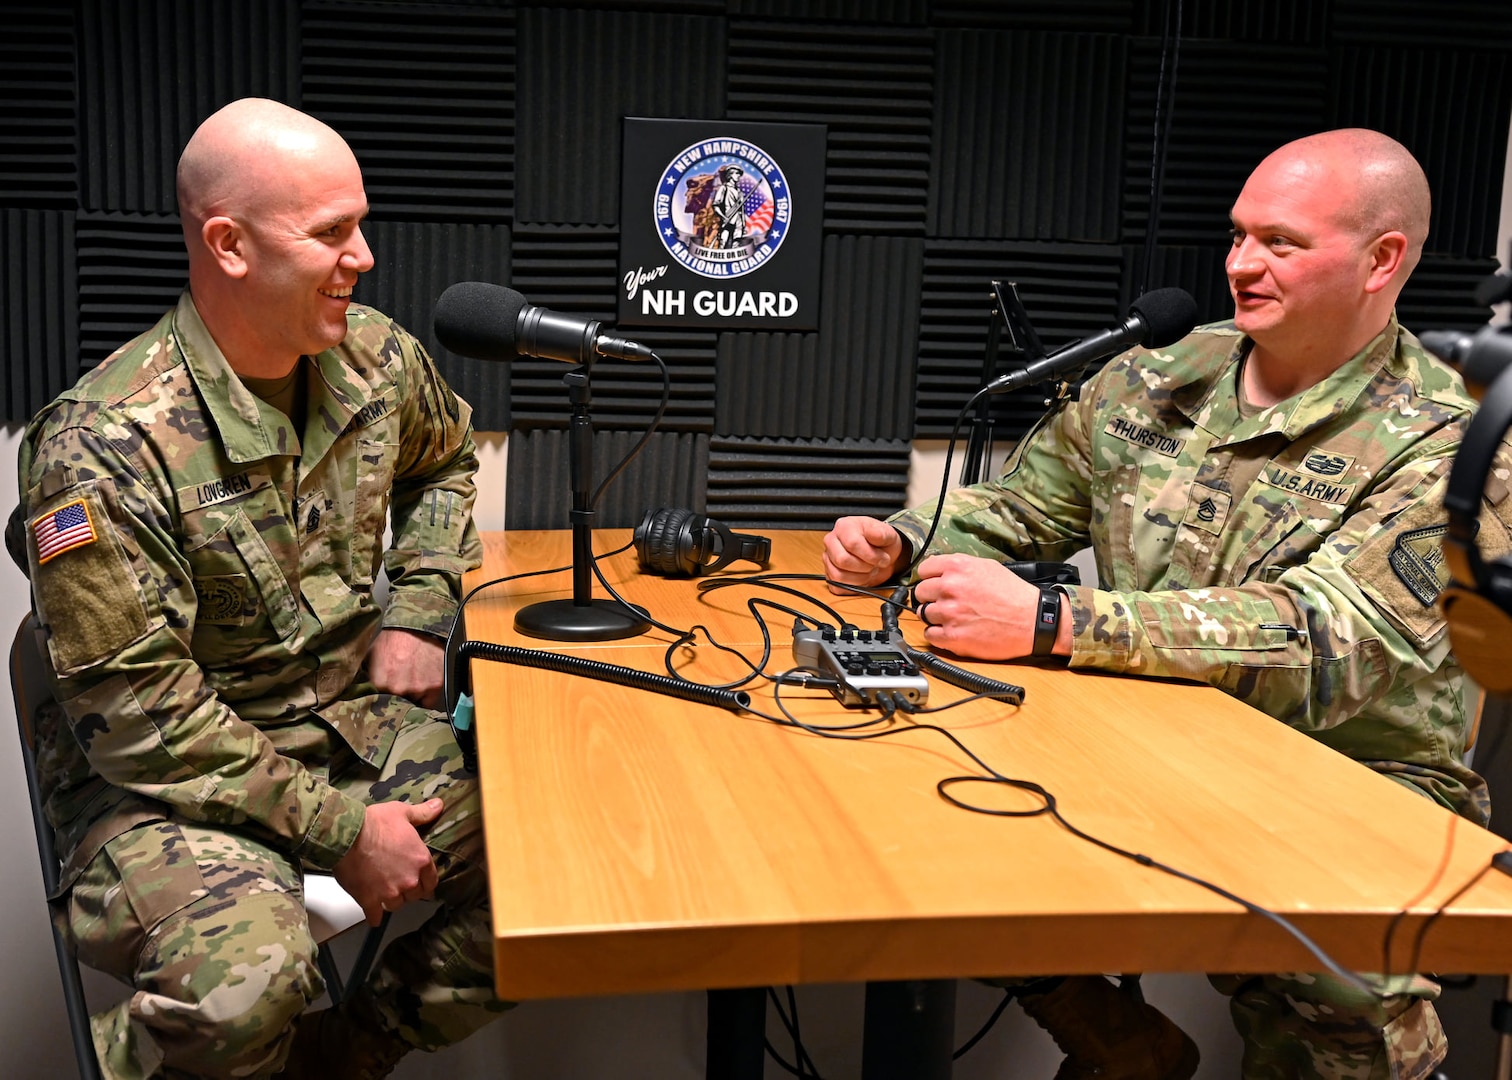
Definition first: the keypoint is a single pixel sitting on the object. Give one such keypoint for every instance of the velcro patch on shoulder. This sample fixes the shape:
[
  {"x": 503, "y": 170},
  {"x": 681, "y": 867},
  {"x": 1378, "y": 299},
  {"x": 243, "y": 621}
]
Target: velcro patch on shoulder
[
  {"x": 1403, "y": 571},
  {"x": 1417, "y": 559},
  {"x": 91, "y": 599}
]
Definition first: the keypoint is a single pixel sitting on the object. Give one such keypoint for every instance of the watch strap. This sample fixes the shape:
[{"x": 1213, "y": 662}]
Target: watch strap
[{"x": 1047, "y": 621}]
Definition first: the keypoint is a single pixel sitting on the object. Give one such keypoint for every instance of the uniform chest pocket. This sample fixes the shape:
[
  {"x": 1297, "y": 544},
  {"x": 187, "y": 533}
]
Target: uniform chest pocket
[
  {"x": 1285, "y": 540},
  {"x": 238, "y": 583},
  {"x": 372, "y": 487}
]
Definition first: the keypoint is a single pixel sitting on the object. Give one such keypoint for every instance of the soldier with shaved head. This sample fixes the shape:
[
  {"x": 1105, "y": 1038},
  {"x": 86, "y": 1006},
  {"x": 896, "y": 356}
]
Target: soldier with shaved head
[
  {"x": 202, "y": 522},
  {"x": 1264, "y": 500}
]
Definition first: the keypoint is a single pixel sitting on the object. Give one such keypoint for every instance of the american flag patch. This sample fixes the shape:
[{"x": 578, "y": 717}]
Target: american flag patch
[{"x": 63, "y": 529}]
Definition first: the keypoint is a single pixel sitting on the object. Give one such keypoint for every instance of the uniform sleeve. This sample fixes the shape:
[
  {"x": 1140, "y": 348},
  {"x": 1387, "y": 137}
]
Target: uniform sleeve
[
  {"x": 1309, "y": 640},
  {"x": 1039, "y": 507},
  {"x": 115, "y": 594},
  {"x": 1325, "y": 622},
  {"x": 434, "y": 538}
]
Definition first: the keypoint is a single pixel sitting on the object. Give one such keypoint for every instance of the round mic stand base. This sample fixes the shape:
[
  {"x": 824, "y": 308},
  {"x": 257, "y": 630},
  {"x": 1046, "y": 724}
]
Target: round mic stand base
[{"x": 568, "y": 620}]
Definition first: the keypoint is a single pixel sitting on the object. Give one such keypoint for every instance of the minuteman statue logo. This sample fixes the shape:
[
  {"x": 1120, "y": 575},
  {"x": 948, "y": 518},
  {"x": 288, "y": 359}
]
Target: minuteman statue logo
[{"x": 722, "y": 207}]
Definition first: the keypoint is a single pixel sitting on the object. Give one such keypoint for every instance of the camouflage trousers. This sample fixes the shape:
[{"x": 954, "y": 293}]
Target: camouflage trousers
[
  {"x": 209, "y": 927},
  {"x": 1318, "y": 1027}
]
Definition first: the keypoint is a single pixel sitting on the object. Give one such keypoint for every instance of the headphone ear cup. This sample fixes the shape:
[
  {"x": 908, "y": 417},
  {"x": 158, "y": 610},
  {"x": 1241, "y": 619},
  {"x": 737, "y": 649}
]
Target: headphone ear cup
[
  {"x": 1479, "y": 629},
  {"x": 661, "y": 550}
]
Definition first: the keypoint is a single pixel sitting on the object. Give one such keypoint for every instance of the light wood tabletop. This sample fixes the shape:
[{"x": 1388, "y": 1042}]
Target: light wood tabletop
[{"x": 638, "y": 842}]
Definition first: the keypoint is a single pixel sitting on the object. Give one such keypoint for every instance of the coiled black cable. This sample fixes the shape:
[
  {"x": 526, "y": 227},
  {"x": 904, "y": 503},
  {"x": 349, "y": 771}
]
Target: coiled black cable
[{"x": 733, "y": 700}]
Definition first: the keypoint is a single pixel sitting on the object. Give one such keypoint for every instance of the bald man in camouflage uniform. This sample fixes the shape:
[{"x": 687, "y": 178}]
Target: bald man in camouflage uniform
[
  {"x": 202, "y": 525},
  {"x": 1264, "y": 501}
]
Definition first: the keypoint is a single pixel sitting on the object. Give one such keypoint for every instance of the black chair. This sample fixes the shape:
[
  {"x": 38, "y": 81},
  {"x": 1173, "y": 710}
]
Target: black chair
[{"x": 331, "y": 910}]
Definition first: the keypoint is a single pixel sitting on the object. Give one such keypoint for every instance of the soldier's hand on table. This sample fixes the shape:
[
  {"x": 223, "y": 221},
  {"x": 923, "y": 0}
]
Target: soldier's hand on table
[
  {"x": 409, "y": 664},
  {"x": 389, "y": 865},
  {"x": 976, "y": 607},
  {"x": 861, "y": 551}
]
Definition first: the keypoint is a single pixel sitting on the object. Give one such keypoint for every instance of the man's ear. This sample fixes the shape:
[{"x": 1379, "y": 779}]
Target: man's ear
[
  {"x": 1388, "y": 256},
  {"x": 223, "y": 239}
]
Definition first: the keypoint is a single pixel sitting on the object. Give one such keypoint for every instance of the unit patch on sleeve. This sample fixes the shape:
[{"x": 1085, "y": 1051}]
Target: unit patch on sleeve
[
  {"x": 62, "y": 530},
  {"x": 1418, "y": 560}
]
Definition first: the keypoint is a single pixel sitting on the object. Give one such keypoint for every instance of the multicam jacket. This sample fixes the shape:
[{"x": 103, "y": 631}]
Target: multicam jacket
[
  {"x": 1290, "y": 558},
  {"x": 205, "y": 578}
]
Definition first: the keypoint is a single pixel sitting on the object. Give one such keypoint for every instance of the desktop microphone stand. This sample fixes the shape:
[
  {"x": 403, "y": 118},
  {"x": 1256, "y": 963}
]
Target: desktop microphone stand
[
  {"x": 1007, "y": 313},
  {"x": 582, "y": 618}
]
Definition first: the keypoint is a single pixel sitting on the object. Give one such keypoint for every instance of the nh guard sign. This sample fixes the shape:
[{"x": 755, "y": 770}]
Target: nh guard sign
[{"x": 720, "y": 224}]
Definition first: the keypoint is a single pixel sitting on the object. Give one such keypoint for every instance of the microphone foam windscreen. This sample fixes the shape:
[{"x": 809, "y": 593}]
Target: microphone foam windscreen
[
  {"x": 478, "y": 319},
  {"x": 1168, "y": 314}
]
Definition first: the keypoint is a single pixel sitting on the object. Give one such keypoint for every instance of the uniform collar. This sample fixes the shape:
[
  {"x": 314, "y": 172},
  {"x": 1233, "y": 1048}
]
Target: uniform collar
[
  {"x": 337, "y": 394},
  {"x": 248, "y": 427},
  {"x": 1211, "y": 401}
]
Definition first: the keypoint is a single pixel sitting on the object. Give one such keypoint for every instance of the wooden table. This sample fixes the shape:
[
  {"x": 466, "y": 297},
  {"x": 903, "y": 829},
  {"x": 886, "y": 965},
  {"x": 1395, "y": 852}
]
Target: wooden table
[{"x": 641, "y": 843}]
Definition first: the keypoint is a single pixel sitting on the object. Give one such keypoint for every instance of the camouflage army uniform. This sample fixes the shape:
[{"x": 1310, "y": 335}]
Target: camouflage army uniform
[
  {"x": 205, "y": 579},
  {"x": 1290, "y": 558}
]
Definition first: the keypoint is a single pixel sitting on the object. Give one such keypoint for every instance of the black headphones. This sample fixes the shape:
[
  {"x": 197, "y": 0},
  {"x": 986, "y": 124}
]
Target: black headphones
[
  {"x": 680, "y": 543},
  {"x": 1478, "y": 600}
]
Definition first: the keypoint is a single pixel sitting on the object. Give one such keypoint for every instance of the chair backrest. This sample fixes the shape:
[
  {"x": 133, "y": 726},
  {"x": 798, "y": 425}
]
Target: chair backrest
[
  {"x": 31, "y": 688},
  {"x": 331, "y": 910}
]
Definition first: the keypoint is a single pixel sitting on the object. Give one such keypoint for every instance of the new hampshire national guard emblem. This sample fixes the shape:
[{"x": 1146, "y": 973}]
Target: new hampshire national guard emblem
[{"x": 722, "y": 207}]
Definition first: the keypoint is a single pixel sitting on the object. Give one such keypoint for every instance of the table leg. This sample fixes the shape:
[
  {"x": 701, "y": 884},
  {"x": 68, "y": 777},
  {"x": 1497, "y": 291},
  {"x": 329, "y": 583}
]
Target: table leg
[
  {"x": 736, "y": 1040},
  {"x": 910, "y": 1030}
]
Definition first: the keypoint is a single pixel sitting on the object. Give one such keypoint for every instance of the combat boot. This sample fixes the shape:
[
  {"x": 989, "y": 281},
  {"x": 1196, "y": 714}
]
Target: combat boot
[
  {"x": 1109, "y": 1034},
  {"x": 347, "y": 1042}
]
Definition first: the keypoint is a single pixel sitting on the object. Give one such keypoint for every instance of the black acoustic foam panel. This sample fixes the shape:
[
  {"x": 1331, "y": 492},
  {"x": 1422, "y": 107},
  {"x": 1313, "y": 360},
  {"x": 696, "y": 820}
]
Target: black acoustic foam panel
[
  {"x": 39, "y": 310},
  {"x": 38, "y": 108},
  {"x": 413, "y": 263},
  {"x": 1470, "y": 24},
  {"x": 1221, "y": 128},
  {"x": 1029, "y": 139},
  {"x": 802, "y": 484},
  {"x": 1197, "y": 268},
  {"x": 1090, "y": 16},
  {"x": 1294, "y": 22},
  {"x": 670, "y": 471},
  {"x": 149, "y": 72},
  {"x": 1441, "y": 294},
  {"x": 425, "y": 97},
  {"x": 1068, "y": 292},
  {"x": 911, "y": 12},
  {"x": 1451, "y": 108},
  {"x": 853, "y": 378},
  {"x": 580, "y": 73},
  {"x": 132, "y": 268},
  {"x": 871, "y": 85},
  {"x": 489, "y": 133}
]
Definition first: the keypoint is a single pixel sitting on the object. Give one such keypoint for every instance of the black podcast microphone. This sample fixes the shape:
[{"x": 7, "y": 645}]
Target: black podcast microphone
[
  {"x": 1479, "y": 358},
  {"x": 1157, "y": 319},
  {"x": 489, "y": 322}
]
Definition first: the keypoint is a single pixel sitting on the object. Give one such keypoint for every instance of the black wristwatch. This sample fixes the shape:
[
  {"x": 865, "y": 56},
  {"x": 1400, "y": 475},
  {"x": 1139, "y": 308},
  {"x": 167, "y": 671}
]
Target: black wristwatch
[{"x": 1047, "y": 621}]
